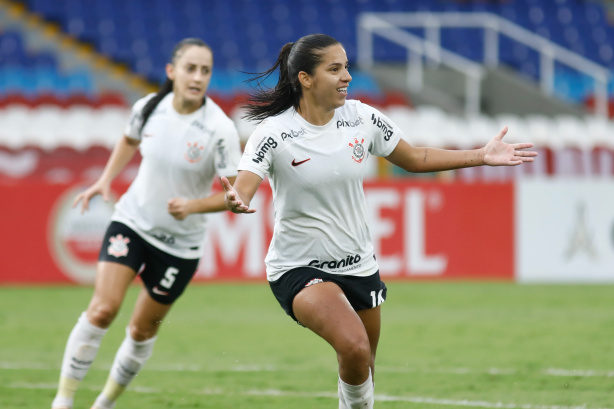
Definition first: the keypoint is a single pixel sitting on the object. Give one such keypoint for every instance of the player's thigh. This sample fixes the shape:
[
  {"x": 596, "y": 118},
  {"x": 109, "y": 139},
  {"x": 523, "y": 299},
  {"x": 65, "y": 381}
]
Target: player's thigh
[
  {"x": 112, "y": 282},
  {"x": 324, "y": 309},
  {"x": 371, "y": 319},
  {"x": 165, "y": 277},
  {"x": 366, "y": 294},
  {"x": 119, "y": 259}
]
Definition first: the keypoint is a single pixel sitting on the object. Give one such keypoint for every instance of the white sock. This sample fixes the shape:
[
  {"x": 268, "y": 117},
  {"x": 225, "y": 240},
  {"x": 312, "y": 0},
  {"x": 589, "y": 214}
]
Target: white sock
[
  {"x": 81, "y": 349},
  {"x": 342, "y": 404},
  {"x": 358, "y": 396},
  {"x": 129, "y": 360}
]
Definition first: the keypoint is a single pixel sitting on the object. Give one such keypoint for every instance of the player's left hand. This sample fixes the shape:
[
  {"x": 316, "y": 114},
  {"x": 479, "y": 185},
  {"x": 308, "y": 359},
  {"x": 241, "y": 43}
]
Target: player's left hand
[
  {"x": 499, "y": 153},
  {"x": 179, "y": 208}
]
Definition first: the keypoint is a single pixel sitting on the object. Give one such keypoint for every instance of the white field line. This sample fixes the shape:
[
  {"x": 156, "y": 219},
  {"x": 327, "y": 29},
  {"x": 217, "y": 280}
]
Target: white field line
[
  {"x": 458, "y": 371},
  {"x": 379, "y": 398},
  {"x": 382, "y": 369},
  {"x": 578, "y": 372}
]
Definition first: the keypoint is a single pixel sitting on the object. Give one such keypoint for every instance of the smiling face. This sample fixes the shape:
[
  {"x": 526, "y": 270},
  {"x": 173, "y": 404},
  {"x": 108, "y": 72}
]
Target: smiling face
[
  {"x": 328, "y": 86},
  {"x": 191, "y": 74}
]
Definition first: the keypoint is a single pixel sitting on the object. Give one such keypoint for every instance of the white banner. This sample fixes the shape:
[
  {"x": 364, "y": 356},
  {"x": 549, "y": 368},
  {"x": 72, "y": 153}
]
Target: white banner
[{"x": 565, "y": 231}]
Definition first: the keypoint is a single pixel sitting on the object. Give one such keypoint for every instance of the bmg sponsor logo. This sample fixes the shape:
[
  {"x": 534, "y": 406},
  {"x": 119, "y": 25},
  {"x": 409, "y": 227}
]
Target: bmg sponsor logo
[
  {"x": 222, "y": 154},
  {"x": 342, "y": 123},
  {"x": 264, "y": 146},
  {"x": 383, "y": 125}
]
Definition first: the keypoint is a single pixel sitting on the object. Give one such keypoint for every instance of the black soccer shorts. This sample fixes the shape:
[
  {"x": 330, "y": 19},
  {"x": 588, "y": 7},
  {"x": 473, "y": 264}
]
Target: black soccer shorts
[
  {"x": 165, "y": 276},
  {"x": 362, "y": 292}
]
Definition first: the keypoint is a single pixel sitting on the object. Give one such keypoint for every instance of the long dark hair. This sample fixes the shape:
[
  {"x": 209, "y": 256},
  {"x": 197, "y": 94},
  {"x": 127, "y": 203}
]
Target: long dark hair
[
  {"x": 167, "y": 86},
  {"x": 302, "y": 55}
]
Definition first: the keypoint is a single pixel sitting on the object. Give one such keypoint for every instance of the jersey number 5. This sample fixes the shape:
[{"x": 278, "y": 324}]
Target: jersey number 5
[
  {"x": 169, "y": 277},
  {"x": 377, "y": 298}
]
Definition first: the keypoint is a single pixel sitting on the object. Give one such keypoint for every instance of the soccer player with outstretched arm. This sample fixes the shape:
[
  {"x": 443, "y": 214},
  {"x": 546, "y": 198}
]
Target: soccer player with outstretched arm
[{"x": 313, "y": 144}]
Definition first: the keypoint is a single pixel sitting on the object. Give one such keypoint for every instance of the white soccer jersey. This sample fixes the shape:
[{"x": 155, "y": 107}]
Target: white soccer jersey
[
  {"x": 180, "y": 156},
  {"x": 316, "y": 174}
]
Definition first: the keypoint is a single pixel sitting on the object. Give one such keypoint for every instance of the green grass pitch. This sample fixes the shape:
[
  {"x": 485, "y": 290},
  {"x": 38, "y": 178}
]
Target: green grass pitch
[{"x": 443, "y": 345}]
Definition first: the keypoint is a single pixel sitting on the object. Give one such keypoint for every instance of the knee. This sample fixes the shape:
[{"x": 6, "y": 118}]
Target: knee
[
  {"x": 102, "y": 314},
  {"x": 355, "y": 351}
]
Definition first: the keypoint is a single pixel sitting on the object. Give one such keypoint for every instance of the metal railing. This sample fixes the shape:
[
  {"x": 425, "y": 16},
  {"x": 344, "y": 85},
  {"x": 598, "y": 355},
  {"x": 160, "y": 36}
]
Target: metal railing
[{"x": 391, "y": 27}]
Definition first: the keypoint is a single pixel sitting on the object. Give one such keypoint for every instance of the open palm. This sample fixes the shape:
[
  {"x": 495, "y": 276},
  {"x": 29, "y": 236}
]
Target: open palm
[{"x": 499, "y": 153}]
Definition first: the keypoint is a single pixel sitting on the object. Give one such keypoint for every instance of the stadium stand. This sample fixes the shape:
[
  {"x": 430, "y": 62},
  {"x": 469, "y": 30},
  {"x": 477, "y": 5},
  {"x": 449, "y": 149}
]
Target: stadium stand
[{"x": 50, "y": 99}]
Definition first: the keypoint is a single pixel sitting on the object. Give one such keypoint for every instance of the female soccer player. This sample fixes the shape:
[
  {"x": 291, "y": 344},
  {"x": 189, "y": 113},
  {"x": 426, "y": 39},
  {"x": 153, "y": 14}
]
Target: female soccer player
[
  {"x": 157, "y": 230},
  {"x": 314, "y": 145}
]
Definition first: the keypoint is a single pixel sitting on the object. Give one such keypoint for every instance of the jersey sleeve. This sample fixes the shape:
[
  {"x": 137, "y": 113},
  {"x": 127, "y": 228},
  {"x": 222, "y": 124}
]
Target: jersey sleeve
[
  {"x": 259, "y": 151},
  {"x": 227, "y": 150},
  {"x": 133, "y": 127},
  {"x": 386, "y": 134}
]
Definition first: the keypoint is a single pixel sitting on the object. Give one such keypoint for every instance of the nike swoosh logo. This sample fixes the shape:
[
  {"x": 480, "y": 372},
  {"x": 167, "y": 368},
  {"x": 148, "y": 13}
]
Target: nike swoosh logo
[
  {"x": 155, "y": 290},
  {"x": 295, "y": 163}
]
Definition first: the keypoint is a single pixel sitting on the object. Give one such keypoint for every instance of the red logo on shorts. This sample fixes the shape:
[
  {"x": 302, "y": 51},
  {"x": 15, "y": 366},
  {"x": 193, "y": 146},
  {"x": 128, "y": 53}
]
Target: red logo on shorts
[{"x": 118, "y": 246}]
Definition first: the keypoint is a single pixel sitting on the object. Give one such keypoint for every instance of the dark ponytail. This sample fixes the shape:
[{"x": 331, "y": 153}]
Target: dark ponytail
[
  {"x": 167, "y": 87},
  {"x": 149, "y": 107},
  {"x": 302, "y": 55}
]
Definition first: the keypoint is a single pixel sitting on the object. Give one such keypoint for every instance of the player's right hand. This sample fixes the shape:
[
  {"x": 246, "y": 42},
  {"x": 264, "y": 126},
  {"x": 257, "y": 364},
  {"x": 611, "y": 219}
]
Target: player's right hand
[
  {"x": 232, "y": 200},
  {"x": 85, "y": 196}
]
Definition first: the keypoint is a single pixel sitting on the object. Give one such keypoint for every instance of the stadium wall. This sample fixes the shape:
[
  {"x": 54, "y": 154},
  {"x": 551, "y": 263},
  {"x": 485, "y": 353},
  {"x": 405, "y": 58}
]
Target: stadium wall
[
  {"x": 529, "y": 230},
  {"x": 565, "y": 231},
  {"x": 421, "y": 230}
]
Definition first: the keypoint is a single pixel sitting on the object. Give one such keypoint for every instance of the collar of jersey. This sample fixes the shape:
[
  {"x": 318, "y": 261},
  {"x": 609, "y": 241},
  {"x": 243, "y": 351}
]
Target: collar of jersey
[
  {"x": 312, "y": 127},
  {"x": 168, "y": 102}
]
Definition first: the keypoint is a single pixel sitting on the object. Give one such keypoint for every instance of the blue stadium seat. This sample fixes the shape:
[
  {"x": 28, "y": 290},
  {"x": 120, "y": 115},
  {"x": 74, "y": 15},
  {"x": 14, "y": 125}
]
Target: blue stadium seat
[
  {"x": 48, "y": 81},
  {"x": 12, "y": 50},
  {"x": 247, "y": 35},
  {"x": 45, "y": 60},
  {"x": 80, "y": 81}
]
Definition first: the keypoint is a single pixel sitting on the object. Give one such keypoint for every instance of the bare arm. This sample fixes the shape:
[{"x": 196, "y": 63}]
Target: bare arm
[
  {"x": 238, "y": 197},
  {"x": 181, "y": 208},
  {"x": 122, "y": 153},
  {"x": 495, "y": 153}
]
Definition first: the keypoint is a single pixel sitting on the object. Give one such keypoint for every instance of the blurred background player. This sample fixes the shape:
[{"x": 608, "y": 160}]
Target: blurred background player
[
  {"x": 314, "y": 146},
  {"x": 158, "y": 226}
]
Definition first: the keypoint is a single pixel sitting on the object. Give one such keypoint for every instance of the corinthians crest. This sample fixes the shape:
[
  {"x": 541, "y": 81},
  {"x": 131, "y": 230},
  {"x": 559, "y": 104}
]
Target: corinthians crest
[
  {"x": 118, "y": 246},
  {"x": 194, "y": 152},
  {"x": 358, "y": 151}
]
